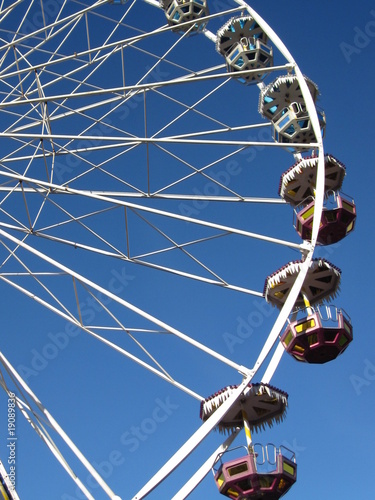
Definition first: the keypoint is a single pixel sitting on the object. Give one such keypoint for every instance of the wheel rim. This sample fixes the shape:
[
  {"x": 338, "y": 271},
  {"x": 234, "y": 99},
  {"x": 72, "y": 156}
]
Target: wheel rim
[{"x": 80, "y": 144}]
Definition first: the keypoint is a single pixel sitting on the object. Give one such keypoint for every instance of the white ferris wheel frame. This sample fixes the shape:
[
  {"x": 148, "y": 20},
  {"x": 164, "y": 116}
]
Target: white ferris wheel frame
[{"x": 111, "y": 141}]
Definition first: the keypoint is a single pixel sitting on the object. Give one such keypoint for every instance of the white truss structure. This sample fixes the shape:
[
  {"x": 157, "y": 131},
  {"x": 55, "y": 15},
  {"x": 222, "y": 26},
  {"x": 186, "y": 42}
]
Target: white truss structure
[{"x": 89, "y": 138}]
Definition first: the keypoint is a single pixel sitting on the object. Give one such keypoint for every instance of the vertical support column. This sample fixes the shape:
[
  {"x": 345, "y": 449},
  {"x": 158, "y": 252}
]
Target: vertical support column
[
  {"x": 246, "y": 425},
  {"x": 307, "y": 304}
]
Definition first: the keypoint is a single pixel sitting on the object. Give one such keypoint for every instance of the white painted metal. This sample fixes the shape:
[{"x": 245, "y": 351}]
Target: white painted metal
[
  {"x": 289, "y": 303},
  {"x": 53, "y": 423},
  {"x": 125, "y": 303},
  {"x": 4, "y": 477},
  {"x": 28, "y": 184},
  {"x": 198, "y": 477},
  {"x": 310, "y": 106},
  {"x": 89, "y": 194},
  {"x": 193, "y": 442},
  {"x": 91, "y": 331}
]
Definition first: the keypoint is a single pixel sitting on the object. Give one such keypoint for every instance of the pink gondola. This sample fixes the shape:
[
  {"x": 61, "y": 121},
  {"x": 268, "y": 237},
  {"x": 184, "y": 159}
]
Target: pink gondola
[
  {"x": 337, "y": 221},
  {"x": 318, "y": 335}
]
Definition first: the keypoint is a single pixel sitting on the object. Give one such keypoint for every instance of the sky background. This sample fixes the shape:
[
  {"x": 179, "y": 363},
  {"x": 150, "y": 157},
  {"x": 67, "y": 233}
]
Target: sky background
[{"x": 127, "y": 421}]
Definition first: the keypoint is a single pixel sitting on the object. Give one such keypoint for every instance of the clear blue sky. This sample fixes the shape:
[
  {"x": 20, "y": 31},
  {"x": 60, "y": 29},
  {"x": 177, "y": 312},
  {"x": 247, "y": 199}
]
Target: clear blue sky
[{"x": 129, "y": 422}]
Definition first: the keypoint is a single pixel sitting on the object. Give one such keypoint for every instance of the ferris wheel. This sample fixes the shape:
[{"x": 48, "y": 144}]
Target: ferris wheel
[{"x": 143, "y": 144}]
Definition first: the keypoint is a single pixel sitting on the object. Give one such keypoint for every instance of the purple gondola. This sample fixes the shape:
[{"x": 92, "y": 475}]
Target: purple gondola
[
  {"x": 338, "y": 219},
  {"x": 258, "y": 475},
  {"x": 319, "y": 335}
]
